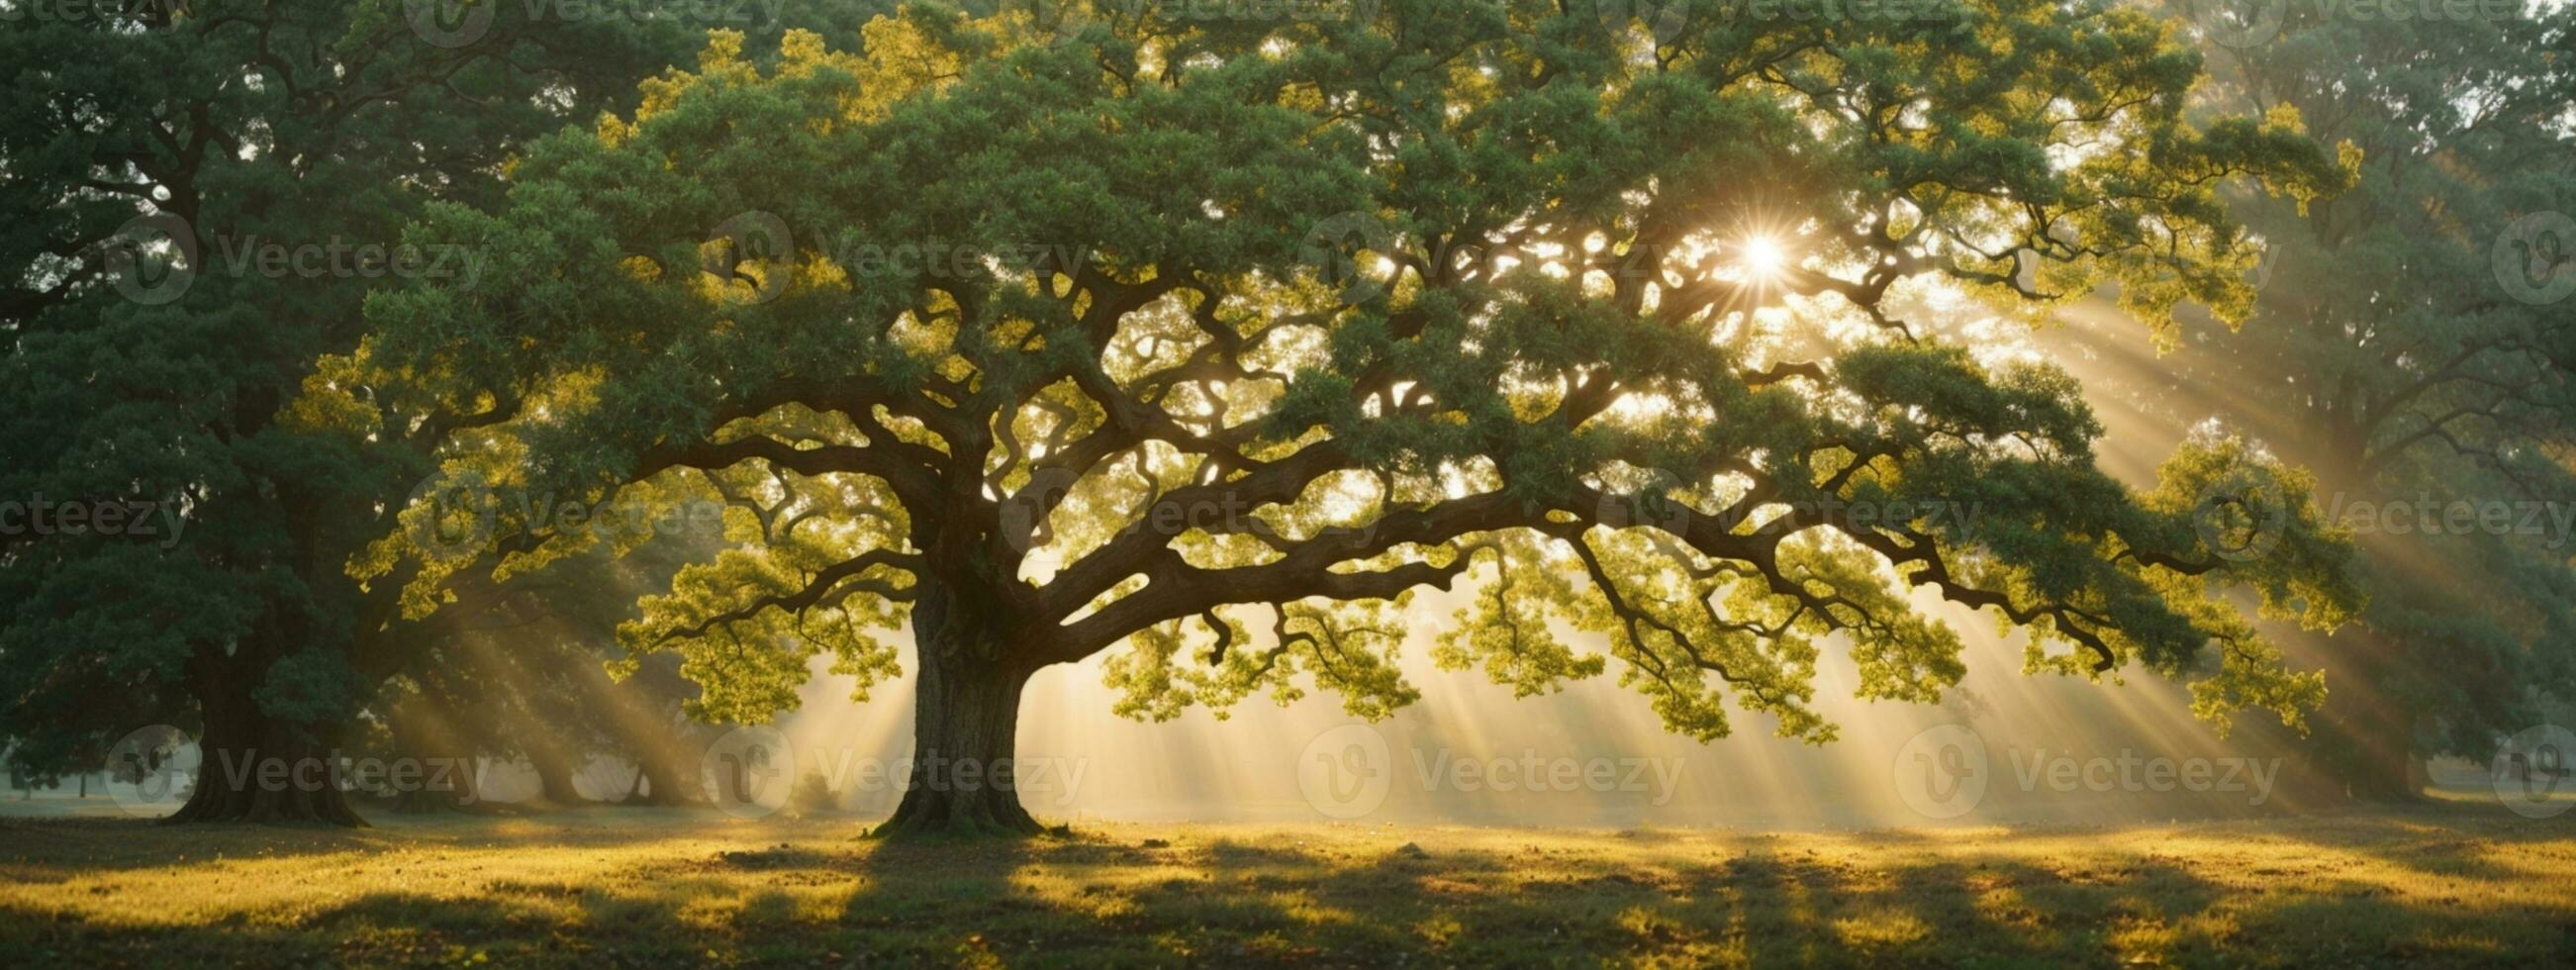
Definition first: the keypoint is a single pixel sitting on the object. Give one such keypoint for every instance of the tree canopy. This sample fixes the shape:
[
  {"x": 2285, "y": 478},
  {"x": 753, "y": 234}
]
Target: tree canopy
[
  {"x": 2411, "y": 346},
  {"x": 206, "y": 192},
  {"x": 1206, "y": 342}
]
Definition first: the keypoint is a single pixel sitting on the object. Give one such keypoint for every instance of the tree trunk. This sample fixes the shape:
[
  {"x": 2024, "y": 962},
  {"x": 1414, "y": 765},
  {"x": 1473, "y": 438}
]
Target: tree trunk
[
  {"x": 554, "y": 775},
  {"x": 2372, "y": 754},
  {"x": 666, "y": 781},
  {"x": 259, "y": 769},
  {"x": 550, "y": 753},
  {"x": 965, "y": 727},
  {"x": 252, "y": 766},
  {"x": 663, "y": 775},
  {"x": 431, "y": 743},
  {"x": 965, "y": 730}
]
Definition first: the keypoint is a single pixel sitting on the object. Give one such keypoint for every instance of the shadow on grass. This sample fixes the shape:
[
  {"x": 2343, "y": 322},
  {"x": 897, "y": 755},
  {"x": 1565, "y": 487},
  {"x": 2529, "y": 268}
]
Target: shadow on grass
[{"x": 1354, "y": 897}]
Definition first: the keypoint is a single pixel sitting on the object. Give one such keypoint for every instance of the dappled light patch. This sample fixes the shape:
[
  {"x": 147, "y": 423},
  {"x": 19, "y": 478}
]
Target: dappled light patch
[{"x": 2455, "y": 886}]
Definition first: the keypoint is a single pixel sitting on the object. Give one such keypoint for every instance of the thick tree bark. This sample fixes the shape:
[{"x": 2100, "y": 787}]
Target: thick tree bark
[
  {"x": 963, "y": 779},
  {"x": 966, "y": 719},
  {"x": 253, "y": 766},
  {"x": 259, "y": 769}
]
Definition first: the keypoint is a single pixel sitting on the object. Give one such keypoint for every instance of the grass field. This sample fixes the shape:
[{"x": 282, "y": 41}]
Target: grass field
[{"x": 2456, "y": 885}]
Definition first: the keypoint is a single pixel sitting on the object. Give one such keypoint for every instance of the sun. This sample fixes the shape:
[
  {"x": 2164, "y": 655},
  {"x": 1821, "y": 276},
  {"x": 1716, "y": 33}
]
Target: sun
[{"x": 1763, "y": 256}]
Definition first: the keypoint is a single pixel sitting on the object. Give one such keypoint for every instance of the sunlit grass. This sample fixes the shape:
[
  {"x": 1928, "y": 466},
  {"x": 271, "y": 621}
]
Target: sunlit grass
[{"x": 2445, "y": 884}]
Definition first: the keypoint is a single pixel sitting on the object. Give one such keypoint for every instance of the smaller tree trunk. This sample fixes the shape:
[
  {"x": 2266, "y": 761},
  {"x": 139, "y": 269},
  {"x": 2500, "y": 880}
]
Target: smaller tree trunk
[
  {"x": 554, "y": 776},
  {"x": 435, "y": 749},
  {"x": 2372, "y": 754},
  {"x": 661, "y": 779}
]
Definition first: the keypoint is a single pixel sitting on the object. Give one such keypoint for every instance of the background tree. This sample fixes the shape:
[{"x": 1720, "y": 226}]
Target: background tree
[
  {"x": 2412, "y": 345},
  {"x": 161, "y": 155},
  {"x": 1641, "y": 367},
  {"x": 652, "y": 729},
  {"x": 528, "y": 686}
]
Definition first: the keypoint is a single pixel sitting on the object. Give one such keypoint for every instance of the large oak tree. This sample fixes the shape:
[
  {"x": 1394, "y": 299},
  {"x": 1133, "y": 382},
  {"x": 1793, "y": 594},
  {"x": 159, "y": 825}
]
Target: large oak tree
[{"x": 1204, "y": 343}]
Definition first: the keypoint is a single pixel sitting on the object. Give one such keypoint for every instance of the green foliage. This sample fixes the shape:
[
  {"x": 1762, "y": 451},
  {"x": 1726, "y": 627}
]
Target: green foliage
[
  {"x": 1171, "y": 398},
  {"x": 2391, "y": 352},
  {"x": 156, "y": 353}
]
